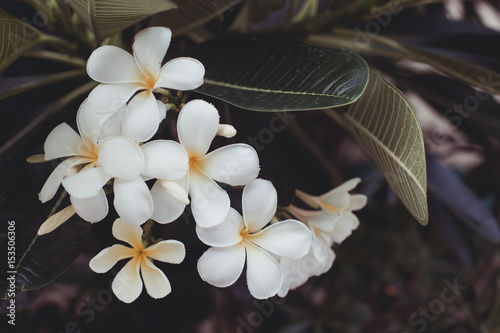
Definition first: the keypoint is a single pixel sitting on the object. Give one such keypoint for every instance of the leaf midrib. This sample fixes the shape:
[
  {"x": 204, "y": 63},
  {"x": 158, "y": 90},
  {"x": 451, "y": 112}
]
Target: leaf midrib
[{"x": 235, "y": 86}]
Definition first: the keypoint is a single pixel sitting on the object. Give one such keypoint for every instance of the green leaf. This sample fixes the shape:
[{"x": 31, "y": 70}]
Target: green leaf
[
  {"x": 263, "y": 73},
  {"x": 40, "y": 81},
  {"x": 107, "y": 17},
  {"x": 386, "y": 126},
  {"x": 16, "y": 37},
  {"x": 38, "y": 259},
  {"x": 192, "y": 13}
]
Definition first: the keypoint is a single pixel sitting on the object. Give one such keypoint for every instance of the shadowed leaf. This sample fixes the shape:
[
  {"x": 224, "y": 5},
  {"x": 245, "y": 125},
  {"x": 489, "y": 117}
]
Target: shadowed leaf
[
  {"x": 268, "y": 74},
  {"x": 386, "y": 126},
  {"x": 112, "y": 16}
]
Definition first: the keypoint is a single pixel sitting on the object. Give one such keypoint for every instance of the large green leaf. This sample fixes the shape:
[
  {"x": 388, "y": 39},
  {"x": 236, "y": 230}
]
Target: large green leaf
[
  {"x": 192, "y": 13},
  {"x": 107, "y": 17},
  {"x": 263, "y": 73},
  {"x": 386, "y": 126},
  {"x": 38, "y": 259},
  {"x": 16, "y": 37}
]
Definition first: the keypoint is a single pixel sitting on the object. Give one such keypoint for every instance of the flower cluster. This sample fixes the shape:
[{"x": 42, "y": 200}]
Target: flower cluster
[{"x": 113, "y": 151}]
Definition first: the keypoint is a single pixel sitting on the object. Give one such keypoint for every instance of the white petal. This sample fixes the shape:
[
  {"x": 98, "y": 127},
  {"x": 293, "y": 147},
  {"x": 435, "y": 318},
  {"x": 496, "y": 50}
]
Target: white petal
[
  {"x": 90, "y": 123},
  {"x": 324, "y": 222},
  {"x": 236, "y": 164},
  {"x": 197, "y": 126},
  {"x": 345, "y": 187},
  {"x": 209, "y": 202},
  {"x": 107, "y": 258},
  {"x": 162, "y": 110},
  {"x": 181, "y": 74},
  {"x": 127, "y": 284},
  {"x": 86, "y": 183},
  {"x": 344, "y": 227},
  {"x": 92, "y": 209},
  {"x": 133, "y": 201},
  {"x": 112, "y": 125},
  {"x": 264, "y": 275},
  {"x": 110, "y": 97},
  {"x": 259, "y": 201},
  {"x": 52, "y": 183},
  {"x": 150, "y": 46},
  {"x": 62, "y": 141},
  {"x": 227, "y": 131},
  {"x": 140, "y": 120},
  {"x": 125, "y": 232},
  {"x": 155, "y": 281},
  {"x": 166, "y": 208},
  {"x": 110, "y": 64},
  {"x": 358, "y": 201},
  {"x": 222, "y": 266},
  {"x": 335, "y": 201},
  {"x": 120, "y": 157},
  {"x": 289, "y": 238},
  {"x": 225, "y": 234},
  {"x": 53, "y": 222},
  {"x": 165, "y": 159},
  {"x": 170, "y": 251}
]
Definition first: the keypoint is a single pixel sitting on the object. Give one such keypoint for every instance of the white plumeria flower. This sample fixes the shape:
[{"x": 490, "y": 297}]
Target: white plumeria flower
[
  {"x": 235, "y": 164},
  {"x": 122, "y": 75},
  {"x": 127, "y": 284},
  {"x": 332, "y": 223},
  {"x": 239, "y": 238},
  {"x": 81, "y": 153}
]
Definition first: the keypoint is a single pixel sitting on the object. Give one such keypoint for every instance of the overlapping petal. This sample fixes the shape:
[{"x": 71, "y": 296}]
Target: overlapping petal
[
  {"x": 62, "y": 141},
  {"x": 197, "y": 126},
  {"x": 110, "y": 97},
  {"x": 140, "y": 120},
  {"x": 120, "y": 157},
  {"x": 264, "y": 274},
  {"x": 107, "y": 258},
  {"x": 289, "y": 238},
  {"x": 167, "y": 208},
  {"x": 131, "y": 234},
  {"x": 222, "y": 266},
  {"x": 259, "y": 202},
  {"x": 150, "y": 46},
  {"x": 224, "y": 234},
  {"x": 52, "y": 183},
  {"x": 236, "y": 164},
  {"x": 133, "y": 201},
  {"x": 209, "y": 202},
  {"x": 155, "y": 281},
  {"x": 181, "y": 74},
  {"x": 110, "y": 64},
  {"x": 91, "y": 209},
  {"x": 86, "y": 183},
  {"x": 127, "y": 284},
  {"x": 170, "y": 251},
  {"x": 165, "y": 159}
]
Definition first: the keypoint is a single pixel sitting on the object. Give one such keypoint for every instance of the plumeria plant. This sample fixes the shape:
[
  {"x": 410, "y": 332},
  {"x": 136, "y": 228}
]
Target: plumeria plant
[
  {"x": 114, "y": 150},
  {"x": 215, "y": 149}
]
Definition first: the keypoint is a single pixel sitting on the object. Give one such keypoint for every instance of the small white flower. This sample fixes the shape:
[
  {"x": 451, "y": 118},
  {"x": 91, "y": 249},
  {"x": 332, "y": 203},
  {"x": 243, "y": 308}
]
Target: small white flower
[
  {"x": 122, "y": 75},
  {"x": 332, "y": 223},
  {"x": 235, "y": 164},
  {"x": 239, "y": 239},
  {"x": 127, "y": 284}
]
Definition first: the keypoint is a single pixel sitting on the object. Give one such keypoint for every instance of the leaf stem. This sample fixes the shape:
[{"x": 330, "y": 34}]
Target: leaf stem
[{"x": 57, "y": 57}]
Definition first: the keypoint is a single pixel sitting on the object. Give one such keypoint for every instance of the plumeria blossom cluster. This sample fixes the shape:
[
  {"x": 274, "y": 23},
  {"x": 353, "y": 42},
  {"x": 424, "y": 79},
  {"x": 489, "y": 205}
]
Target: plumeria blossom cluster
[{"x": 113, "y": 150}]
